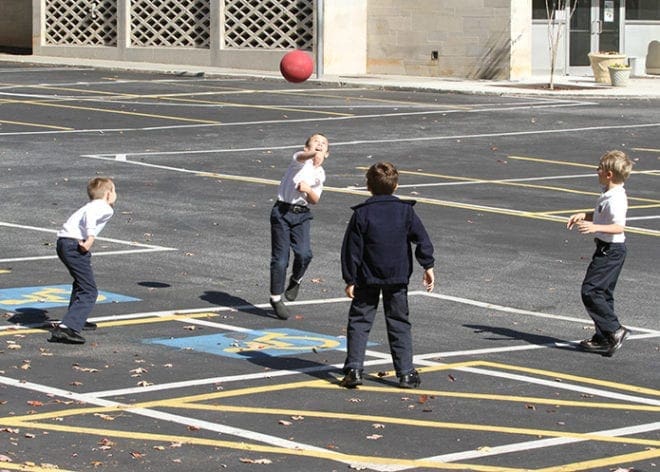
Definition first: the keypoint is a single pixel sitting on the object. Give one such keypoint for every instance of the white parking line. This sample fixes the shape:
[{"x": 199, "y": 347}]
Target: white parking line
[{"x": 140, "y": 247}]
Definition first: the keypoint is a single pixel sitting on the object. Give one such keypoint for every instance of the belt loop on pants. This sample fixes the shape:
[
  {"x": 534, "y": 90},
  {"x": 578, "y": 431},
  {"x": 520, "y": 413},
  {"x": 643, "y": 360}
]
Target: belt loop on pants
[{"x": 293, "y": 208}]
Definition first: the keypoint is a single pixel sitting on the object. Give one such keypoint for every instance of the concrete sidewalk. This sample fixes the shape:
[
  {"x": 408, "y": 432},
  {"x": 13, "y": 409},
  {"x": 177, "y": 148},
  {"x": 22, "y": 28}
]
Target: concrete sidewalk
[{"x": 647, "y": 86}]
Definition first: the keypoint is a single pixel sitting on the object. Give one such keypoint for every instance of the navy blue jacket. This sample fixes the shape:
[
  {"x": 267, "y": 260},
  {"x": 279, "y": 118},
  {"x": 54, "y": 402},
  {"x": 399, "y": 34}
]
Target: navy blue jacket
[{"x": 377, "y": 243}]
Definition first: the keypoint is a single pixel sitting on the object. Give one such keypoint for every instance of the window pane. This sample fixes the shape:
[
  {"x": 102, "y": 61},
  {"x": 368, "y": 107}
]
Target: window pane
[{"x": 643, "y": 10}]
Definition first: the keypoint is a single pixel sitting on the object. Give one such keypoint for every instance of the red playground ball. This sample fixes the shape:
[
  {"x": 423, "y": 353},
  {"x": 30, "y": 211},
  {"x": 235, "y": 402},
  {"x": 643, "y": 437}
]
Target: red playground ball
[{"x": 296, "y": 66}]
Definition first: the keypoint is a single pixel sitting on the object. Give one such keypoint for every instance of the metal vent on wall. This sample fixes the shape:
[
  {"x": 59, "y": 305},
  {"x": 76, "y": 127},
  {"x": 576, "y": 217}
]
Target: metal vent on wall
[
  {"x": 70, "y": 22},
  {"x": 258, "y": 24}
]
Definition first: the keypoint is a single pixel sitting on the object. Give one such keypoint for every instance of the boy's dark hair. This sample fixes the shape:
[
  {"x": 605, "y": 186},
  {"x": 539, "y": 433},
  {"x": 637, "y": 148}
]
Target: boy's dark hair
[
  {"x": 97, "y": 187},
  {"x": 382, "y": 178}
]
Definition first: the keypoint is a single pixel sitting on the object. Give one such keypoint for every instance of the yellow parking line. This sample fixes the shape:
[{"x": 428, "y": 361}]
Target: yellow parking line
[
  {"x": 551, "y": 161},
  {"x": 646, "y": 149},
  {"x": 576, "y": 378},
  {"x": 243, "y": 446},
  {"x": 515, "y": 184},
  {"x": 117, "y": 112},
  {"x": 422, "y": 423},
  {"x": 36, "y": 125},
  {"x": 604, "y": 462}
]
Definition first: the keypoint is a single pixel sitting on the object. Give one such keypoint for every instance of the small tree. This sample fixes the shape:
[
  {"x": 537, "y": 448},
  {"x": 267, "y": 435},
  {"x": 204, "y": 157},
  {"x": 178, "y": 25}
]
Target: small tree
[{"x": 555, "y": 27}]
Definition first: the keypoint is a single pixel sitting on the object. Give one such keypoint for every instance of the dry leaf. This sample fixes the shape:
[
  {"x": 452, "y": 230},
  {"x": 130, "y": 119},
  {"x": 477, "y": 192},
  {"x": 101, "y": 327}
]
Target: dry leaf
[
  {"x": 375, "y": 436},
  {"x": 378, "y": 426},
  {"x": 285, "y": 423},
  {"x": 247, "y": 460},
  {"x": 422, "y": 399},
  {"x": 530, "y": 407},
  {"x": 4, "y": 458},
  {"x": 105, "y": 417},
  {"x": 34, "y": 403},
  {"x": 136, "y": 455}
]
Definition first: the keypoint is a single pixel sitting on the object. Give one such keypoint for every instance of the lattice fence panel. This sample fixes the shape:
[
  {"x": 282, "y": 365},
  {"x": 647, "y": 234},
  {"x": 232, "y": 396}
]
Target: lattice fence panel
[
  {"x": 89, "y": 23},
  {"x": 180, "y": 23},
  {"x": 269, "y": 24}
]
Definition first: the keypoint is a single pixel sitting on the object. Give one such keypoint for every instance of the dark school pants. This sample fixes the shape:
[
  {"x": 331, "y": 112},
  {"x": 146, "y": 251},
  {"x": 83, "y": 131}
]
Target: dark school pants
[
  {"x": 361, "y": 318},
  {"x": 289, "y": 231},
  {"x": 599, "y": 283},
  {"x": 83, "y": 290}
]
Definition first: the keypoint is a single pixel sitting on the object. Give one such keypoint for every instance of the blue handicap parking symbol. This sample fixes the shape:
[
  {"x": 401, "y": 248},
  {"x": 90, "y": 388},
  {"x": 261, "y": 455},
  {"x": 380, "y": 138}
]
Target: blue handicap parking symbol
[
  {"x": 12, "y": 299},
  {"x": 272, "y": 342}
]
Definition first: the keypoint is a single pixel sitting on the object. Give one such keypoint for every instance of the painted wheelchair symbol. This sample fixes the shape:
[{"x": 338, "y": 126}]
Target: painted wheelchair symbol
[{"x": 283, "y": 341}]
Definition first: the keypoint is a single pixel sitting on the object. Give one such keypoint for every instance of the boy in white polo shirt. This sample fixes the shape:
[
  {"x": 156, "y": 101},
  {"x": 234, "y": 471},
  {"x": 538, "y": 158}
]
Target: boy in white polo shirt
[
  {"x": 74, "y": 242},
  {"x": 607, "y": 222},
  {"x": 290, "y": 220}
]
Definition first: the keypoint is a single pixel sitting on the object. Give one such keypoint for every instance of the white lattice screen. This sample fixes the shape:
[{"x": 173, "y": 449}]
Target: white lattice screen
[
  {"x": 70, "y": 22},
  {"x": 262, "y": 24},
  {"x": 248, "y": 24},
  {"x": 180, "y": 23}
]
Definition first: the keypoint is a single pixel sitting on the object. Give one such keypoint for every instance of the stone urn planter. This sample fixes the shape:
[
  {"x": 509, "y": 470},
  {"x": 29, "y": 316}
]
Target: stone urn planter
[
  {"x": 600, "y": 62},
  {"x": 619, "y": 74}
]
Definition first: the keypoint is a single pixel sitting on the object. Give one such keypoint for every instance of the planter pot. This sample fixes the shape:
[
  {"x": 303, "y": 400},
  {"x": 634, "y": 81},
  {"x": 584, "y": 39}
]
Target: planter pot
[
  {"x": 600, "y": 63},
  {"x": 619, "y": 76}
]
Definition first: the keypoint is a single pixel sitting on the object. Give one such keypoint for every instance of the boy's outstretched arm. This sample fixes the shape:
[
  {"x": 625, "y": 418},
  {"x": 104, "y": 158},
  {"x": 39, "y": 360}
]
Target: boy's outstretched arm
[{"x": 428, "y": 279}]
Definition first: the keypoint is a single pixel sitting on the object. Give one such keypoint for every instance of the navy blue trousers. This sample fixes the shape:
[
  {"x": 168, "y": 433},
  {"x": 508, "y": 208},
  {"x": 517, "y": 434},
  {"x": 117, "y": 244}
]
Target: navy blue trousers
[
  {"x": 83, "y": 290},
  {"x": 599, "y": 283},
  {"x": 361, "y": 318},
  {"x": 289, "y": 231}
]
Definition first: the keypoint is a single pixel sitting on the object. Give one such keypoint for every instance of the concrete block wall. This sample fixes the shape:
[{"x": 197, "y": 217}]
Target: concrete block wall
[
  {"x": 473, "y": 38},
  {"x": 16, "y": 24}
]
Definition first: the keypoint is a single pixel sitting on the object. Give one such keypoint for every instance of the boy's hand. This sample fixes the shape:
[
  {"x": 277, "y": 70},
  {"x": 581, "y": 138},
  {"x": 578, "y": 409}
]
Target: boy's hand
[
  {"x": 350, "y": 291},
  {"x": 428, "y": 279},
  {"x": 586, "y": 227},
  {"x": 576, "y": 218}
]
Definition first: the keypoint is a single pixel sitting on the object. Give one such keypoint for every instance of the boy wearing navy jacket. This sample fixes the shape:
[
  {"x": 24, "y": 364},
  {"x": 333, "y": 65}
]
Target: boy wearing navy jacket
[{"x": 376, "y": 256}]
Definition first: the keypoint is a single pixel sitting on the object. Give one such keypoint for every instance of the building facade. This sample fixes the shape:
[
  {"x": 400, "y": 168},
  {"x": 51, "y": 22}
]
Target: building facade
[{"x": 477, "y": 39}]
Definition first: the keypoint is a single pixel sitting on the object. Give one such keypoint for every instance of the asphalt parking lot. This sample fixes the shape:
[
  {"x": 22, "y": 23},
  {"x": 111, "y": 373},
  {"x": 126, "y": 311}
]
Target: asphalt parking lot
[{"x": 190, "y": 368}]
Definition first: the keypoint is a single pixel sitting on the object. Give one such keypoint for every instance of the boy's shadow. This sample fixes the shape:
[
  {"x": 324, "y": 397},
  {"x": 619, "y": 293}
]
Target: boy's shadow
[
  {"x": 508, "y": 333},
  {"x": 237, "y": 303},
  {"x": 31, "y": 318},
  {"x": 311, "y": 368}
]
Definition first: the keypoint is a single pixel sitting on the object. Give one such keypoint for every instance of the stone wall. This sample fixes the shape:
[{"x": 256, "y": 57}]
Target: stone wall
[
  {"x": 448, "y": 38},
  {"x": 15, "y": 24}
]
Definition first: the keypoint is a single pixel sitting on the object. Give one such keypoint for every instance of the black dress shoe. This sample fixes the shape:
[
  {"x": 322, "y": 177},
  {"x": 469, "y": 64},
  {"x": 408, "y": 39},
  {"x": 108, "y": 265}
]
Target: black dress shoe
[
  {"x": 291, "y": 292},
  {"x": 410, "y": 380},
  {"x": 65, "y": 335},
  {"x": 597, "y": 343},
  {"x": 280, "y": 309},
  {"x": 89, "y": 326},
  {"x": 616, "y": 340},
  {"x": 352, "y": 379}
]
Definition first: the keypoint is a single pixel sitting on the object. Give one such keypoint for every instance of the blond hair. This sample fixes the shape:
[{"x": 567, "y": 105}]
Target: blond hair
[
  {"x": 98, "y": 186},
  {"x": 618, "y": 163}
]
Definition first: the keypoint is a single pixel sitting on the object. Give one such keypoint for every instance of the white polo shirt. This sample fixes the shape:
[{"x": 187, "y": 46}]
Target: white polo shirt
[
  {"x": 611, "y": 208},
  {"x": 88, "y": 220},
  {"x": 300, "y": 172}
]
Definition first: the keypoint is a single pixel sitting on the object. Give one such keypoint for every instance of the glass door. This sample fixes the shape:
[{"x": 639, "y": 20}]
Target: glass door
[{"x": 595, "y": 26}]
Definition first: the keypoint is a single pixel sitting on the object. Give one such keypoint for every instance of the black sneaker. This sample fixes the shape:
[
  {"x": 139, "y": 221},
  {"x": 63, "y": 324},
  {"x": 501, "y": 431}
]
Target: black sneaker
[
  {"x": 352, "y": 379},
  {"x": 291, "y": 292},
  {"x": 597, "y": 343},
  {"x": 616, "y": 340},
  {"x": 410, "y": 380},
  {"x": 280, "y": 308},
  {"x": 89, "y": 326},
  {"x": 65, "y": 335}
]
